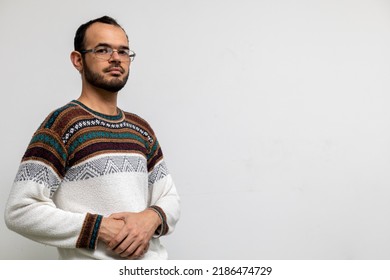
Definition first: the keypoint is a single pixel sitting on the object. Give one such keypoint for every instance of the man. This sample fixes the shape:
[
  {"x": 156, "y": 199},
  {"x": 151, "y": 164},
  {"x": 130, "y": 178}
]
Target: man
[{"x": 93, "y": 181}]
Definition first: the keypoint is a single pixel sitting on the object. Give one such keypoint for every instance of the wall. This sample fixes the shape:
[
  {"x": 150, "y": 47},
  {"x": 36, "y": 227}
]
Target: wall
[{"x": 273, "y": 117}]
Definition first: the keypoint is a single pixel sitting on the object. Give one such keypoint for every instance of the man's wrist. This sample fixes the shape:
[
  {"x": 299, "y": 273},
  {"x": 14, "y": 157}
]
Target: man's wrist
[
  {"x": 162, "y": 227},
  {"x": 157, "y": 217},
  {"x": 109, "y": 228}
]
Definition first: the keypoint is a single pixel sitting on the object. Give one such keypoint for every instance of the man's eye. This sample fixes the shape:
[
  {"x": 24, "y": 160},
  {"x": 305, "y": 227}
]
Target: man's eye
[
  {"x": 123, "y": 52},
  {"x": 101, "y": 51}
]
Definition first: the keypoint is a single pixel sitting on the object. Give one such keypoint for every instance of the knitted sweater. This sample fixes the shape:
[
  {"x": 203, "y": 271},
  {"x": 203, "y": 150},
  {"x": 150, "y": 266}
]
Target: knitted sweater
[{"x": 81, "y": 165}]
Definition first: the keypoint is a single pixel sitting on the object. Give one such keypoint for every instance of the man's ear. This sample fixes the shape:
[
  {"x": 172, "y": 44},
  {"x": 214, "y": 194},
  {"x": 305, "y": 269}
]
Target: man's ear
[{"x": 77, "y": 60}]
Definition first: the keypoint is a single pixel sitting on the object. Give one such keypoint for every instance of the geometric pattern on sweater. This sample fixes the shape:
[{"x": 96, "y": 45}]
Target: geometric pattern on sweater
[
  {"x": 97, "y": 122},
  {"x": 75, "y": 134},
  {"x": 159, "y": 172},
  {"x": 106, "y": 165},
  {"x": 39, "y": 173}
]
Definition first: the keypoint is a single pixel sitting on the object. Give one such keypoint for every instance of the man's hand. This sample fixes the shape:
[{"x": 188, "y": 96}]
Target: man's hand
[
  {"x": 132, "y": 241},
  {"x": 109, "y": 228}
]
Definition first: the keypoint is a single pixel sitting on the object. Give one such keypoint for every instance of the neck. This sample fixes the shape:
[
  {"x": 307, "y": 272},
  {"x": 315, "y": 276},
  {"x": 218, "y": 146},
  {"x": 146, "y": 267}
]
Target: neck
[{"x": 100, "y": 100}]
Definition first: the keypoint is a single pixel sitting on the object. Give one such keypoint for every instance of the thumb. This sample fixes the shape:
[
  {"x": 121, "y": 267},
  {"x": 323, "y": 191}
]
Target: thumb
[{"x": 118, "y": 216}]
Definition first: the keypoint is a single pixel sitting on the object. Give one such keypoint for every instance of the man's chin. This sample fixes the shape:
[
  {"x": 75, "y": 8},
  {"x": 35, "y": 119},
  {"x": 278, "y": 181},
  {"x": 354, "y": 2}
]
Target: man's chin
[
  {"x": 114, "y": 84},
  {"x": 112, "y": 88},
  {"x": 108, "y": 82}
]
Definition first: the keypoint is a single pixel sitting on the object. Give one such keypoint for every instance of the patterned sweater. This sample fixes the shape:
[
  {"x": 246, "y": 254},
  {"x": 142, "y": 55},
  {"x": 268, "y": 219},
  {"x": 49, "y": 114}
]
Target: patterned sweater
[{"x": 81, "y": 165}]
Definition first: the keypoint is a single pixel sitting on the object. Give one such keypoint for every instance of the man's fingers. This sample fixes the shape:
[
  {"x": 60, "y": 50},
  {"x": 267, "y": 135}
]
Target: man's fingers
[
  {"x": 138, "y": 253},
  {"x": 132, "y": 241},
  {"x": 117, "y": 240},
  {"x": 126, "y": 248}
]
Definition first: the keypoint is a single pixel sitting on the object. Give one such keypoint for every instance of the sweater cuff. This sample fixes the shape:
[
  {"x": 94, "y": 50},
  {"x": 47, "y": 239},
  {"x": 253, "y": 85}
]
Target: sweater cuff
[
  {"x": 89, "y": 232},
  {"x": 163, "y": 228}
]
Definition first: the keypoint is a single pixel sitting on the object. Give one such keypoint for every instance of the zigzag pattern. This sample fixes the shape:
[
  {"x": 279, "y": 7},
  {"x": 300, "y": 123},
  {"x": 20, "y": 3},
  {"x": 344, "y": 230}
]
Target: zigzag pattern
[
  {"x": 39, "y": 173},
  {"x": 106, "y": 165},
  {"x": 159, "y": 172}
]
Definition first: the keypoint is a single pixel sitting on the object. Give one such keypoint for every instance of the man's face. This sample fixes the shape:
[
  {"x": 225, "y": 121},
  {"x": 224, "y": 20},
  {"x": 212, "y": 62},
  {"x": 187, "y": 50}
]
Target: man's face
[{"x": 111, "y": 74}]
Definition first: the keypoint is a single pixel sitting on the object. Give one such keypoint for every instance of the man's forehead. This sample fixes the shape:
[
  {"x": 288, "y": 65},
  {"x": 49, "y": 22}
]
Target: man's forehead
[{"x": 105, "y": 33}]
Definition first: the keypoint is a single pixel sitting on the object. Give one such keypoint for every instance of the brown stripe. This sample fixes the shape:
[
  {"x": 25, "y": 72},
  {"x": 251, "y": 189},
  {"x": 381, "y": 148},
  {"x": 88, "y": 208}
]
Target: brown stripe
[
  {"x": 158, "y": 155},
  {"x": 106, "y": 147},
  {"x": 98, "y": 128},
  {"x": 53, "y": 135},
  {"x": 43, "y": 154},
  {"x": 86, "y": 231},
  {"x": 104, "y": 153},
  {"x": 68, "y": 117},
  {"x": 47, "y": 147},
  {"x": 140, "y": 122},
  {"x": 164, "y": 226},
  {"x": 103, "y": 140}
]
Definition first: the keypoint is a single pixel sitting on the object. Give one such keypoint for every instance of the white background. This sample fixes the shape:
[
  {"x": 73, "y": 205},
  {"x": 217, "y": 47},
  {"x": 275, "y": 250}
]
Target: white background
[{"x": 273, "y": 116}]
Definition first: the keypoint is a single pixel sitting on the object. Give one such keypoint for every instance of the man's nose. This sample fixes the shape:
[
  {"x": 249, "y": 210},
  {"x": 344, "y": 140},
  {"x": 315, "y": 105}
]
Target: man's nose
[{"x": 115, "y": 56}]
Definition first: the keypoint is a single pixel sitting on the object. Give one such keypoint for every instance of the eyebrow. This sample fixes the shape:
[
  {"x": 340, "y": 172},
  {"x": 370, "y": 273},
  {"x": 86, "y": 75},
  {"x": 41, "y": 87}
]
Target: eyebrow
[{"x": 108, "y": 45}]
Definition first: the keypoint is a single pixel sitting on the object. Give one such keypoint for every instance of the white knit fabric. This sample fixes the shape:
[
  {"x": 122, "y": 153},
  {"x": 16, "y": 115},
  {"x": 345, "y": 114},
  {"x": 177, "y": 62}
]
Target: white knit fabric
[{"x": 102, "y": 185}]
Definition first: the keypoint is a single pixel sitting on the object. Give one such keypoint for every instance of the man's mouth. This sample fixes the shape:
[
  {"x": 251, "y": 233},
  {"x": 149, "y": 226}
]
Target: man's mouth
[{"x": 115, "y": 70}]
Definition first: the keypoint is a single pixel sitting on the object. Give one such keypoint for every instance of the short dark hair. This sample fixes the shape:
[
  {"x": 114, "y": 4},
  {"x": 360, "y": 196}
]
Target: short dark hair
[{"x": 80, "y": 33}]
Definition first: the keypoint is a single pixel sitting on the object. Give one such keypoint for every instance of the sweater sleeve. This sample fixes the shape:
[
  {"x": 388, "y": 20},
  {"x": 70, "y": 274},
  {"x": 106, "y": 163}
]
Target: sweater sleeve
[
  {"x": 30, "y": 210},
  {"x": 164, "y": 196}
]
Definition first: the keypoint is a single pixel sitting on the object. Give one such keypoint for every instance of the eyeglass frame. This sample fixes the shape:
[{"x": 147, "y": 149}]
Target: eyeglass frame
[{"x": 131, "y": 54}]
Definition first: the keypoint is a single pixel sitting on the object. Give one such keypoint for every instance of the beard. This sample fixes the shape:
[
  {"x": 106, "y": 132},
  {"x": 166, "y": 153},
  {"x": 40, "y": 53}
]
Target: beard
[{"x": 98, "y": 80}]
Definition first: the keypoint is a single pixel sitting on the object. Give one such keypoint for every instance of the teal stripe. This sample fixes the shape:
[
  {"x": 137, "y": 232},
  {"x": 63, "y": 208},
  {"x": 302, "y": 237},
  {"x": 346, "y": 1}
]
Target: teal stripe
[
  {"x": 153, "y": 150},
  {"x": 108, "y": 117},
  {"x": 95, "y": 232},
  {"x": 52, "y": 142},
  {"x": 103, "y": 134},
  {"x": 55, "y": 114}
]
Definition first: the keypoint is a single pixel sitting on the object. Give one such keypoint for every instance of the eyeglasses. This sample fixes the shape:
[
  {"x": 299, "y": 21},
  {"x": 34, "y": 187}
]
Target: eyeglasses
[{"x": 105, "y": 53}]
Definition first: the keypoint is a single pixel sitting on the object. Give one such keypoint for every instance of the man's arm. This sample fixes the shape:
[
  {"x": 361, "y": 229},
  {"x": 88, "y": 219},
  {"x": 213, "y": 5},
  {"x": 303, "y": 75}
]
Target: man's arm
[
  {"x": 162, "y": 213},
  {"x": 31, "y": 212},
  {"x": 30, "y": 209},
  {"x": 132, "y": 241},
  {"x": 139, "y": 228}
]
